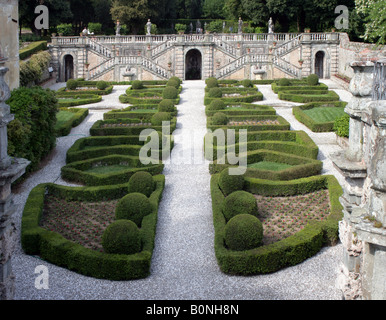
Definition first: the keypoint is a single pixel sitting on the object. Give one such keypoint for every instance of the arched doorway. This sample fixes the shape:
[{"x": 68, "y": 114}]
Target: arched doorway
[
  {"x": 68, "y": 67},
  {"x": 193, "y": 65},
  {"x": 319, "y": 64}
]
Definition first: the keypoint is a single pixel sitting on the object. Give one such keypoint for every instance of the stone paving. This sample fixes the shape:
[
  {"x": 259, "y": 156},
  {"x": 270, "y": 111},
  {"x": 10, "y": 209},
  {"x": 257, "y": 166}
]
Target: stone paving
[{"x": 184, "y": 265}]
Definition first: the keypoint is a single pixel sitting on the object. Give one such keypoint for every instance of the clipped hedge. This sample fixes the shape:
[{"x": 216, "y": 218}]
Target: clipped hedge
[
  {"x": 78, "y": 100},
  {"x": 65, "y": 128},
  {"x": 287, "y": 252},
  {"x": 247, "y": 109},
  {"x": 311, "y": 123},
  {"x": 55, "y": 249},
  {"x": 63, "y": 92},
  {"x": 276, "y": 87},
  {"x": 282, "y": 123},
  {"x": 31, "y": 49},
  {"x": 306, "y": 96}
]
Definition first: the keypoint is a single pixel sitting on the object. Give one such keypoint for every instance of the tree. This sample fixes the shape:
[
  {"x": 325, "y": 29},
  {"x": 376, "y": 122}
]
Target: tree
[
  {"x": 213, "y": 9},
  {"x": 233, "y": 9},
  {"x": 374, "y": 12},
  {"x": 256, "y": 11}
]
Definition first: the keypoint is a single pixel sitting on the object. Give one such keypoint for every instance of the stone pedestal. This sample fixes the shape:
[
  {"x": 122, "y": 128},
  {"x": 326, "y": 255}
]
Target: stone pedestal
[
  {"x": 363, "y": 228},
  {"x": 10, "y": 170}
]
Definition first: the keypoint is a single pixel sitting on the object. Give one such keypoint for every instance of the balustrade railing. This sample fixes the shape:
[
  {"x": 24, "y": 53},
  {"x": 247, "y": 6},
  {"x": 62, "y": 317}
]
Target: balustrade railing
[{"x": 379, "y": 83}]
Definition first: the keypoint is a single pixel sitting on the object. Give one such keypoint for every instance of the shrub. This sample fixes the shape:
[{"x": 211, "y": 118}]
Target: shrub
[
  {"x": 36, "y": 110},
  {"x": 216, "y": 104},
  {"x": 215, "y": 93},
  {"x": 342, "y": 126},
  {"x": 312, "y": 80},
  {"x": 32, "y": 70},
  {"x": 137, "y": 84},
  {"x": 72, "y": 84},
  {"x": 134, "y": 206},
  {"x": 247, "y": 83},
  {"x": 166, "y": 105},
  {"x": 65, "y": 29},
  {"x": 141, "y": 182},
  {"x": 158, "y": 117},
  {"x": 219, "y": 119},
  {"x": 239, "y": 202},
  {"x": 284, "y": 82},
  {"x": 170, "y": 93},
  {"x": 32, "y": 48},
  {"x": 121, "y": 237},
  {"x": 230, "y": 183},
  {"x": 243, "y": 232},
  {"x": 173, "y": 83},
  {"x": 95, "y": 27},
  {"x": 102, "y": 85},
  {"x": 174, "y": 78},
  {"x": 211, "y": 83}
]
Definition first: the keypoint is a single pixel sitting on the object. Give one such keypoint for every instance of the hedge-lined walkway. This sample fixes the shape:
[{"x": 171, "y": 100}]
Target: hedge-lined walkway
[{"x": 184, "y": 264}]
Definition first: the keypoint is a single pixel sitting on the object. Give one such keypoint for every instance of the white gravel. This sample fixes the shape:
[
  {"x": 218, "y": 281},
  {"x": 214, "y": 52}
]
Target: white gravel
[{"x": 184, "y": 265}]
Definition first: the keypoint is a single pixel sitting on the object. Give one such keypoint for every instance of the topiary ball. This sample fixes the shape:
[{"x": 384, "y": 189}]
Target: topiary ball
[
  {"x": 174, "y": 78},
  {"x": 137, "y": 84},
  {"x": 243, "y": 232},
  {"x": 216, "y": 105},
  {"x": 133, "y": 206},
  {"x": 214, "y": 93},
  {"x": 121, "y": 237},
  {"x": 102, "y": 85},
  {"x": 170, "y": 93},
  {"x": 173, "y": 83},
  {"x": 284, "y": 82},
  {"x": 239, "y": 202},
  {"x": 71, "y": 84},
  {"x": 141, "y": 182},
  {"x": 158, "y": 117},
  {"x": 219, "y": 119},
  {"x": 166, "y": 105},
  {"x": 312, "y": 80},
  {"x": 247, "y": 83},
  {"x": 230, "y": 183},
  {"x": 211, "y": 83}
]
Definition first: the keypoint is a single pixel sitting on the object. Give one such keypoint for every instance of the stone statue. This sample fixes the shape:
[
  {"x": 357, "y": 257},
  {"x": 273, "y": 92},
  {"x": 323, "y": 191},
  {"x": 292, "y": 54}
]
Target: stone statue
[
  {"x": 191, "y": 28},
  {"x": 198, "y": 27},
  {"x": 148, "y": 27},
  {"x": 118, "y": 29},
  {"x": 270, "y": 26},
  {"x": 240, "y": 26}
]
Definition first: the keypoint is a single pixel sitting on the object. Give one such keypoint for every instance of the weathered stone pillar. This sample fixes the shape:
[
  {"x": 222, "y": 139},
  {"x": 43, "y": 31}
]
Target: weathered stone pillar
[
  {"x": 362, "y": 230},
  {"x": 10, "y": 170}
]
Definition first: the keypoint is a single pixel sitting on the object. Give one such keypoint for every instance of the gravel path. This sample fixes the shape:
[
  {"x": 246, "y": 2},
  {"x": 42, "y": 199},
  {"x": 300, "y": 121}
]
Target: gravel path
[{"x": 184, "y": 265}]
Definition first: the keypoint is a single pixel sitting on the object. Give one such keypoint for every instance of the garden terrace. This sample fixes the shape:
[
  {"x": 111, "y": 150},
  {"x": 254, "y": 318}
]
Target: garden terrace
[
  {"x": 62, "y": 236},
  {"x": 272, "y": 165},
  {"x": 320, "y": 116},
  {"x": 291, "y": 142},
  {"x": 67, "y": 118},
  {"x": 279, "y": 249}
]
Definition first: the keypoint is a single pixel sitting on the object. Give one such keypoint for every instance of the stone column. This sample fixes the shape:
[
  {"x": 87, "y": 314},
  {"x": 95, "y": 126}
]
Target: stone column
[{"x": 10, "y": 170}]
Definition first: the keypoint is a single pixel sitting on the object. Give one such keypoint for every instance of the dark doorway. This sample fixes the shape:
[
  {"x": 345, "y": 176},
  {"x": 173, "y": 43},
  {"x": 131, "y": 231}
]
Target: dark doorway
[
  {"x": 193, "y": 63},
  {"x": 68, "y": 67},
  {"x": 319, "y": 64}
]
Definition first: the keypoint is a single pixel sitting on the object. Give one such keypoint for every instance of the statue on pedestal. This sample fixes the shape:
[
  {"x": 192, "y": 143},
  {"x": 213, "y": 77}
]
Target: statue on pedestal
[
  {"x": 240, "y": 26},
  {"x": 270, "y": 26},
  {"x": 148, "y": 27},
  {"x": 118, "y": 29}
]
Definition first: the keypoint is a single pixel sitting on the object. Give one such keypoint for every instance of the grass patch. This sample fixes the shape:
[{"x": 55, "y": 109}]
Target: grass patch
[
  {"x": 325, "y": 114},
  {"x": 62, "y": 117},
  {"x": 268, "y": 165},
  {"x": 109, "y": 169}
]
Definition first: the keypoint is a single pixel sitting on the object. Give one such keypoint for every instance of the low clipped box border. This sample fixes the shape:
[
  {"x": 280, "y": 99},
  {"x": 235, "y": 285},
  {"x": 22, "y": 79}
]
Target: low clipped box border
[
  {"x": 283, "y": 124},
  {"x": 81, "y": 100},
  {"x": 320, "y": 87},
  {"x": 64, "y": 92},
  {"x": 76, "y": 171},
  {"x": 253, "y": 109},
  {"x": 54, "y": 248},
  {"x": 291, "y": 142},
  {"x": 307, "y": 96},
  {"x": 31, "y": 49},
  {"x": 311, "y": 123},
  {"x": 258, "y": 96},
  {"x": 301, "y": 167},
  {"x": 289, "y": 251},
  {"x": 79, "y": 115}
]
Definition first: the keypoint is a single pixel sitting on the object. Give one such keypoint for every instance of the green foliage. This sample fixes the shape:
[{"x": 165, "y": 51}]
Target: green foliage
[
  {"x": 65, "y": 29},
  {"x": 214, "y": 93},
  {"x": 102, "y": 85},
  {"x": 219, "y": 119},
  {"x": 239, "y": 202},
  {"x": 121, "y": 237},
  {"x": 284, "y": 82},
  {"x": 142, "y": 182},
  {"x": 173, "y": 83},
  {"x": 32, "y": 48},
  {"x": 342, "y": 126},
  {"x": 211, "y": 82},
  {"x": 63, "y": 128},
  {"x": 95, "y": 27},
  {"x": 312, "y": 80},
  {"x": 170, "y": 93},
  {"x": 215, "y": 26},
  {"x": 32, "y": 70},
  {"x": 134, "y": 206},
  {"x": 159, "y": 117},
  {"x": 247, "y": 83},
  {"x": 36, "y": 109},
  {"x": 137, "y": 84},
  {"x": 174, "y": 78},
  {"x": 216, "y": 104},
  {"x": 72, "y": 84},
  {"x": 230, "y": 183},
  {"x": 180, "y": 27},
  {"x": 166, "y": 105},
  {"x": 243, "y": 232}
]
